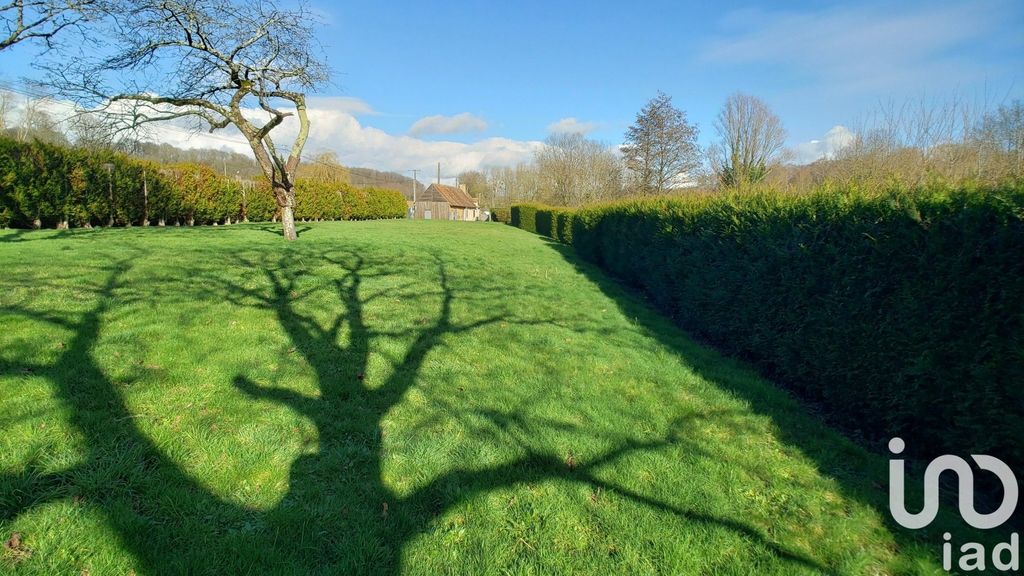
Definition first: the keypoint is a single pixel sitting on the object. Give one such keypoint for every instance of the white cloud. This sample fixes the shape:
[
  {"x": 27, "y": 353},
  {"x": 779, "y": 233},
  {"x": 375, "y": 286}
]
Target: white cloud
[
  {"x": 571, "y": 126},
  {"x": 867, "y": 48},
  {"x": 438, "y": 124},
  {"x": 836, "y": 139},
  {"x": 334, "y": 127}
]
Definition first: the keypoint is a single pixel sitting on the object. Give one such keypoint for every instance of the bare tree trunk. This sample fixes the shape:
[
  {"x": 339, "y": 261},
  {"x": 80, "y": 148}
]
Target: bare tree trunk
[
  {"x": 288, "y": 223},
  {"x": 286, "y": 202},
  {"x": 145, "y": 200}
]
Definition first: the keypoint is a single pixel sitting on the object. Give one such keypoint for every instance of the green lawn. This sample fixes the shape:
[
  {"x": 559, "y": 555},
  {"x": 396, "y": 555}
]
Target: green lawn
[{"x": 396, "y": 397}]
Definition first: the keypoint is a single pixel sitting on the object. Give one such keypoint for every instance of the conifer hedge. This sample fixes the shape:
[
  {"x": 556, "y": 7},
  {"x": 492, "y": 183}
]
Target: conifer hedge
[
  {"x": 900, "y": 312},
  {"x": 48, "y": 186}
]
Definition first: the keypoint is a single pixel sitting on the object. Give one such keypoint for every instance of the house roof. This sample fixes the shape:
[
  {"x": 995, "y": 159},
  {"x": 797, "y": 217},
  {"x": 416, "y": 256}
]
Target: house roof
[{"x": 454, "y": 196}]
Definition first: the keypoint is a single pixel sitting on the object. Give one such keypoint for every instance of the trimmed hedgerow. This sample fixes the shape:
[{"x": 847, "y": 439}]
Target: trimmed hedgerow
[
  {"x": 377, "y": 203},
  {"x": 544, "y": 220},
  {"x": 500, "y": 214},
  {"x": 902, "y": 312},
  {"x": 45, "y": 185}
]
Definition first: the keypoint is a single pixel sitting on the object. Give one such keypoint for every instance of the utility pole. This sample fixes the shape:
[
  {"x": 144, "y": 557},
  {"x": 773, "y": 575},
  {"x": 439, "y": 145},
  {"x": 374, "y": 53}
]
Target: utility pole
[
  {"x": 110, "y": 191},
  {"x": 414, "y": 172},
  {"x": 438, "y": 173},
  {"x": 145, "y": 199}
]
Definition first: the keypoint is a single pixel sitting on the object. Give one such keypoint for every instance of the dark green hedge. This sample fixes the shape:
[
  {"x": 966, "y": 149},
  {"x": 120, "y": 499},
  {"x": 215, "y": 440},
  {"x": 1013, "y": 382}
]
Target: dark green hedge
[
  {"x": 51, "y": 185},
  {"x": 544, "y": 220},
  {"x": 901, "y": 312},
  {"x": 501, "y": 215}
]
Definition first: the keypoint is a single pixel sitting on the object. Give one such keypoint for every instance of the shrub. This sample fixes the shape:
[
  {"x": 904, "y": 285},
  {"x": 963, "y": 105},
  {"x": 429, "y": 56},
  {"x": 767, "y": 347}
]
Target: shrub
[
  {"x": 382, "y": 203},
  {"x": 51, "y": 184},
  {"x": 901, "y": 311},
  {"x": 500, "y": 215}
]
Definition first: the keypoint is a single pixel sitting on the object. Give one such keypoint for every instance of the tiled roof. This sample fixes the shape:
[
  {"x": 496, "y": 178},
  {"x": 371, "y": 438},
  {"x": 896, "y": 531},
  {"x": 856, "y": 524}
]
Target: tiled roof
[{"x": 454, "y": 196}]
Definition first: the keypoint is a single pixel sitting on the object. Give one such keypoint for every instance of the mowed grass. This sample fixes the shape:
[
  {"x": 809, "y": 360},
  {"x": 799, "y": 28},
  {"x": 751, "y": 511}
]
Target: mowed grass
[{"x": 396, "y": 397}]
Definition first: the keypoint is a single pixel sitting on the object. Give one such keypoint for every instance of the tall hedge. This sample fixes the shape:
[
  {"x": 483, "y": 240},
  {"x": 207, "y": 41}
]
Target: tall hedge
[
  {"x": 49, "y": 186},
  {"x": 902, "y": 312}
]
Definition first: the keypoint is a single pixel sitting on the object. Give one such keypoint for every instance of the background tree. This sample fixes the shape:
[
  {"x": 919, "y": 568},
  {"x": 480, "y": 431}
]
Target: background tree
[
  {"x": 35, "y": 123},
  {"x": 216, "y": 63},
  {"x": 91, "y": 132},
  {"x": 476, "y": 186},
  {"x": 325, "y": 168},
  {"x": 751, "y": 137},
  {"x": 1003, "y": 132},
  {"x": 661, "y": 146},
  {"x": 574, "y": 170},
  {"x": 5, "y": 108},
  {"x": 39, "y": 19},
  {"x": 514, "y": 184}
]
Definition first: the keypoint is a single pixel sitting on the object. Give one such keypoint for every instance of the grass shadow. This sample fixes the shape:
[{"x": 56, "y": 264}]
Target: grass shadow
[
  {"x": 860, "y": 473},
  {"x": 338, "y": 515}
]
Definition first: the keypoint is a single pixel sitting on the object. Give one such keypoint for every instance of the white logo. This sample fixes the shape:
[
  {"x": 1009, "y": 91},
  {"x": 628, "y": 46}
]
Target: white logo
[
  {"x": 972, "y": 555},
  {"x": 965, "y": 476}
]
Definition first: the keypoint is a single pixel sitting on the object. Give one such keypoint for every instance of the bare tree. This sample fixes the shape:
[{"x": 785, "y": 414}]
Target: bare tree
[
  {"x": 5, "y": 108},
  {"x": 917, "y": 141},
  {"x": 477, "y": 187},
  {"x": 39, "y": 19},
  {"x": 661, "y": 146},
  {"x": 574, "y": 170},
  {"x": 1003, "y": 130},
  {"x": 751, "y": 137},
  {"x": 326, "y": 169},
  {"x": 215, "y": 63},
  {"x": 35, "y": 123},
  {"x": 511, "y": 185}
]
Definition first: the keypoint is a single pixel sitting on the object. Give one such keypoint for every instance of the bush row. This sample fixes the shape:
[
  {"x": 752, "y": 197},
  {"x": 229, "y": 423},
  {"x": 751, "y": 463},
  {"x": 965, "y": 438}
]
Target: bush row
[
  {"x": 501, "y": 214},
  {"x": 52, "y": 186},
  {"x": 900, "y": 312},
  {"x": 325, "y": 201}
]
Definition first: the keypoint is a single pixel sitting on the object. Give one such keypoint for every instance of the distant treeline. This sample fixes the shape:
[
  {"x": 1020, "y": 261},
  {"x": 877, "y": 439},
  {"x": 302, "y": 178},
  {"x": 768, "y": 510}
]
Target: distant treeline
[{"x": 46, "y": 185}]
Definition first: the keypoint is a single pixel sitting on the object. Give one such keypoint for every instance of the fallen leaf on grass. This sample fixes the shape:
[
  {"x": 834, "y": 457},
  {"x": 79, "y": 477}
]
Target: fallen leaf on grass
[
  {"x": 570, "y": 461},
  {"x": 15, "y": 547}
]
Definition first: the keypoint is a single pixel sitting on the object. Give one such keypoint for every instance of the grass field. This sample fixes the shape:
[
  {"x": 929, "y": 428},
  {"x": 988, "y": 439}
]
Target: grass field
[{"x": 396, "y": 397}]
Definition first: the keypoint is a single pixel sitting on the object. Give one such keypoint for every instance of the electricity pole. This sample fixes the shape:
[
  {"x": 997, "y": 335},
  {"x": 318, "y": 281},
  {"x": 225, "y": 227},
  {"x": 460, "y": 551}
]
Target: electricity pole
[
  {"x": 414, "y": 173},
  {"x": 110, "y": 191}
]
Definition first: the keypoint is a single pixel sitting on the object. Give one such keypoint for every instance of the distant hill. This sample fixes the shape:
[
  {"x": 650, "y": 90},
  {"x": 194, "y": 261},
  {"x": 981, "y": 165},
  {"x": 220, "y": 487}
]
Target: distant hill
[
  {"x": 223, "y": 161},
  {"x": 232, "y": 163},
  {"x": 366, "y": 177}
]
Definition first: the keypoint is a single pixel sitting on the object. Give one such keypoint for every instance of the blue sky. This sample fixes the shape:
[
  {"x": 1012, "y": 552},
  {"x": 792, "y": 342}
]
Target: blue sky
[{"x": 477, "y": 83}]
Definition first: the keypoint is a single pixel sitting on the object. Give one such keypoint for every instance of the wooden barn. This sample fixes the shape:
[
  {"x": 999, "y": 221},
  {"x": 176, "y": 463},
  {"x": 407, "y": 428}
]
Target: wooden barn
[{"x": 441, "y": 202}]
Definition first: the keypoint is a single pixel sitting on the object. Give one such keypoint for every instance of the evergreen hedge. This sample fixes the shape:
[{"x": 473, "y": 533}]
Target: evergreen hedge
[
  {"x": 52, "y": 185},
  {"x": 902, "y": 313},
  {"x": 501, "y": 214}
]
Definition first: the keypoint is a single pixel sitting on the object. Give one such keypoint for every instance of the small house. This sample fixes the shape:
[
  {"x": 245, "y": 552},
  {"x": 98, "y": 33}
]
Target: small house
[{"x": 441, "y": 202}]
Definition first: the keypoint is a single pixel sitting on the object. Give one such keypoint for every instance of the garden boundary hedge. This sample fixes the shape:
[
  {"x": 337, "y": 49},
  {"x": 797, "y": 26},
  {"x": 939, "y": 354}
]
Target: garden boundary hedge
[
  {"x": 902, "y": 313},
  {"x": 43, "y": 185}
]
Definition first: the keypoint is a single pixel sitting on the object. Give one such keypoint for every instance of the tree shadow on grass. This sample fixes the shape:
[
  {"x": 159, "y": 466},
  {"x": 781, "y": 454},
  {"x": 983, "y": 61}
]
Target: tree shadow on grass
[
  {"x": 25, "y": 235},
  {"x": 275, "y": 228},
  {"x": 861, "y": 475},
  {"x": 338, "y": 515}
]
